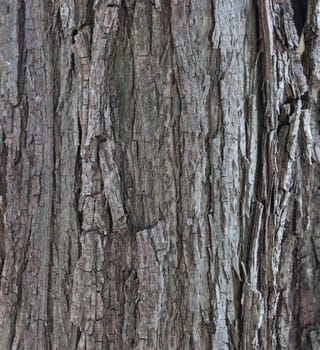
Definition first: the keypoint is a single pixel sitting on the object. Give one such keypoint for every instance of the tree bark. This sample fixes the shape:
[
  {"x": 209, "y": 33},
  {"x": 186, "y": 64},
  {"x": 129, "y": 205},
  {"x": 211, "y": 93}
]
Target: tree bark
[{"x": 159, "y": 175}]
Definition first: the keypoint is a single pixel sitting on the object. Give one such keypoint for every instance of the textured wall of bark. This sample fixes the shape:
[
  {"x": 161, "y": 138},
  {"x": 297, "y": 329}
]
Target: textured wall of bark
[{"x": 159, "y": 175}]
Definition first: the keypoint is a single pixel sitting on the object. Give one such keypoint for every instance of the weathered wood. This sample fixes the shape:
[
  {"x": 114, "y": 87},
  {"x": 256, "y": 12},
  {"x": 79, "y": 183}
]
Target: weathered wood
[{"x": 159, "y": 175}]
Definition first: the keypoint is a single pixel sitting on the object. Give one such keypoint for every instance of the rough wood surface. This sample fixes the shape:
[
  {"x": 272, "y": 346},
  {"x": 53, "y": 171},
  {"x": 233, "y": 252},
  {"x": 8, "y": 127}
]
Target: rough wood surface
[{"x": 159, "y": 175}]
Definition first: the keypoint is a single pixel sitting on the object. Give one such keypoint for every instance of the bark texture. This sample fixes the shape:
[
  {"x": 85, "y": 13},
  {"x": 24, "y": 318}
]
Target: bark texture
[{"x": 159, "y": 175}]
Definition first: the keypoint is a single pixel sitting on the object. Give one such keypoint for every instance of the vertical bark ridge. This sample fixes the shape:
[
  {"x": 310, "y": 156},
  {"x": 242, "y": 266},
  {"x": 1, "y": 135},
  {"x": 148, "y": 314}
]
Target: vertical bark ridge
[{"x": 284, "y": 93}]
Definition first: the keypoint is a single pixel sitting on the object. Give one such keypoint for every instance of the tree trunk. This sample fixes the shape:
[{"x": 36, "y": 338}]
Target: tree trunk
[{"x": 159, "y": 175}]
